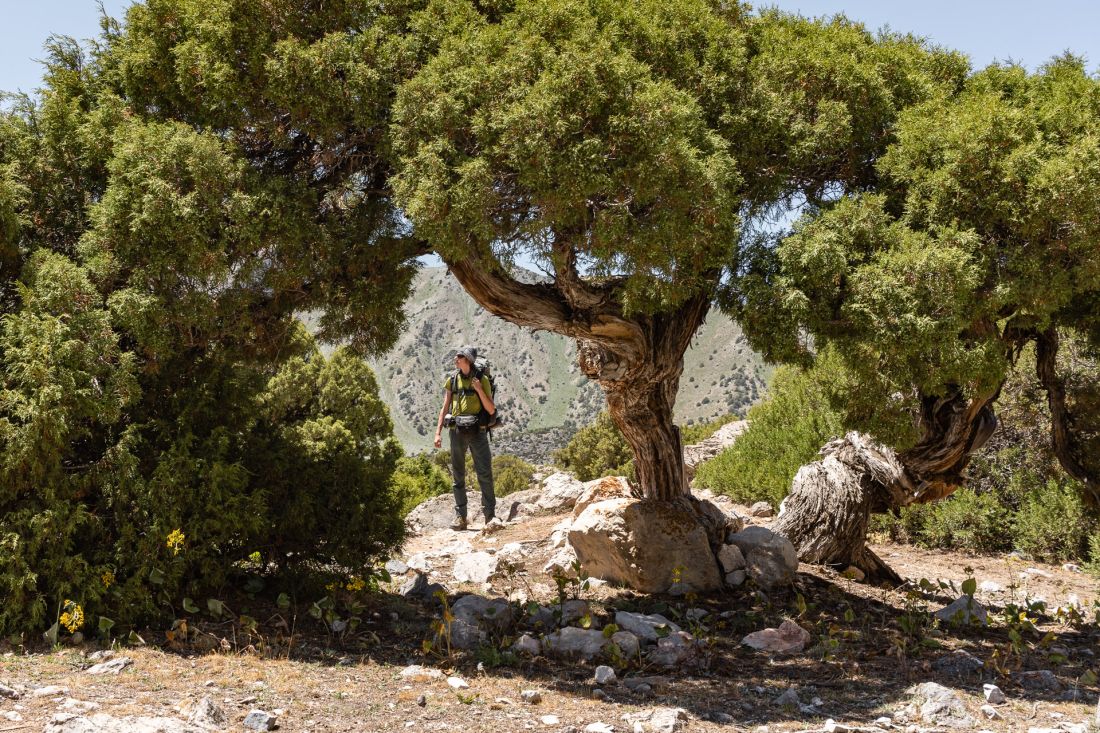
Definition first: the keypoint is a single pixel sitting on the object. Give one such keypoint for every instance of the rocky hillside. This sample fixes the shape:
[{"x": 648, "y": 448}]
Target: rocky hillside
[{"x": 541, "y": 389}]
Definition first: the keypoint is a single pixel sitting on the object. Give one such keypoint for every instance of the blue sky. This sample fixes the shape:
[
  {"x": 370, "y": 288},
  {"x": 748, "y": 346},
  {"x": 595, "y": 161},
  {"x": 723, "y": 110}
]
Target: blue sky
[{"x": 987, "y": 30}]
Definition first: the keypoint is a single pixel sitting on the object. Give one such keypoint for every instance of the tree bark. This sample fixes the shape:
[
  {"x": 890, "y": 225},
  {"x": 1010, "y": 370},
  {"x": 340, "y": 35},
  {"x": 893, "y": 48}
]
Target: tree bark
[{"x": 831, "y": 501}]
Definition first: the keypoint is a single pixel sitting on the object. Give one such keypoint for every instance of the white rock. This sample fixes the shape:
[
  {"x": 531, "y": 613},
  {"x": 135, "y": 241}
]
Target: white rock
[
  {"x": 527, "y": 645},
  {"x": 598, "y": 728},
  {"x": 476, "y": 567},
  {"x": 762, "y": 509},
  {"x": 81, "y": 706},
  {"x": 770, "y": 558},
  {"x": 965, "y": 611},
  {"x": 11, "y": 716},
  {"x": 550, "y": 720},
  {"x": 939, "y": 705},
  {"x": 457, "y": 683},
  {"x": 789, "y": 638},
  {"x": 988, "y": 586},
  {"x": 561, "y": 563},
  {"x": 493, "y": 526},
  {"x": 513, "y": 553},
  {"x": 260, "y": 720},
  {"x": 605, "y": 675},
  {"x": 49, "y": 691},
  {"x": 731, "y": 558},
  {"x": 531, "y": 697},
  {"x": 646, "y": 627},
  {"x": 993, "y": 694},
  {"x": 658, "y": 720},
  {"x": 627, "y": 642},
  {"x": 573, "y": 642},
  {"x": 560, "y": 492},
  {"x": 420, "y": 563},
  {"x": 417, "y": 673}
]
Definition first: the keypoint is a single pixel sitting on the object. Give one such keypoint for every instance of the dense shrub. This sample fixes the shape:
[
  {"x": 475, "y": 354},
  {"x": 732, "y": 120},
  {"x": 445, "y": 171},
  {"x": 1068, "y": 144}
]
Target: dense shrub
[
  {"x": 693, "y": 434},
  {"x": 417, "y": 479},
  {"x": 597, "y": 450},
  {"x": 1053, "y": 525},
  {"x": 511, "y": 474},
  {"x": 786, "y": 430}
]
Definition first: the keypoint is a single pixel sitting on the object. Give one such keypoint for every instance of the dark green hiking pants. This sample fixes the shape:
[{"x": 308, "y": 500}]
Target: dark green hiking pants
[{"x": 477, "y": 441}]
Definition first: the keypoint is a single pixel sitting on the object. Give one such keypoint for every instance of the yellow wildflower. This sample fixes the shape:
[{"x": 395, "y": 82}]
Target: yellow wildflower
[
  {"x": 73, "y": 618},
  {"x": 356, "y": 584},
  {"x": 175, "y": 541},
  {"x": 332, "y": 587},
  {"x": 108, "y": 579}
]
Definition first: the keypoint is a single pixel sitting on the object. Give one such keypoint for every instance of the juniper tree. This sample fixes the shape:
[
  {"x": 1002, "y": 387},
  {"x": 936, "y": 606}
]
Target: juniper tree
[{"x": 981, "y": 239}]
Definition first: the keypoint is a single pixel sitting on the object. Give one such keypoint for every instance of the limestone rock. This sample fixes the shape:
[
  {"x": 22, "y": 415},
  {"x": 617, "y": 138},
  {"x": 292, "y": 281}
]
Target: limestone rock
[
  {"x": 724, "y": 437},
  {"x": 572, "y": 642},
  {"x": 789, "y": 638},
  {"x": 941, "y": 706},
  {"x": 206, "y": 712},
  {"x": 527, "y": 645},
  {"x": 419, "y": 673},
  {"x": 560, "y": 492},
  {"x": 959, "y": 662},
  {"x": 531, "y": 697},
  {"x": 736, "y": 578},
  {"x": 457, "y": 683},
  {"x": 493, "y": 526},
  {"x": 647, "y": 627},
  {"x": 993, "y": 694},
  {"x": 103, "y": 723},
  {"x": 658, "y": 720},
  {"x": 260, "y": 720},
  {"x": 396, "y": 567},
  {"x": 439, "y": 511},
  {"x": 762, "y": 509},
  {"x": 561, "y": 563},
  {"x": 770, "y": 558},
  {"x": 476, "y": 567},
  {"x": 604, "y": 675},
  {"x": 419, "y": 587},
  {"x": 627, "y": 642},
  {"x": 9, "y": 692},
  {"x": 602, "y": 489},
  {"x": 645, "y": 545},
  {"x": 518, "y": 504},
  {"x": 1039, "y": 680},
  {"x": 965, "y": 611},
  {"x": 112, "y": 666},
  {"x": 731, "y": 558},
  {"x": 674, "y": 650}
]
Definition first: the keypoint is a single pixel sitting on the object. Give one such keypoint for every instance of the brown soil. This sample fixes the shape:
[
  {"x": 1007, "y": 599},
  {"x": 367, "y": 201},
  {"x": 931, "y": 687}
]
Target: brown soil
[{"x": 871, "y": 644}]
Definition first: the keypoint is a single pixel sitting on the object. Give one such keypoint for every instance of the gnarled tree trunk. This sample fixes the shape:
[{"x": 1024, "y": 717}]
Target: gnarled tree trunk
[{"x": 831, "y": 500}]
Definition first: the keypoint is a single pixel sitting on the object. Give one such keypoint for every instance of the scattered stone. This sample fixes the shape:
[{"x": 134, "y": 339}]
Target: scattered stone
[
  {"x": 1071, "y": 567},
  {"x": 965, "y": 611},
  {"x": 762, "y": 509},
  {"x": 628, "y": 643},
  {"x": 674, "y": 650},
  {"x": 396, "y": 567},
  {"x": 418, "y": 673},
  {"x": 990, "y": 712},
  {"x": 647, "y": 546},
  {"x": 658, "y": 720},
  {"x": 647, "y": 627},
  {"x": 1042, "y": 679},
  {"x": 513, "y": 553},
  {"x": 568, "y": 612},
  {"x": 112, "y": 666},
  {"x": 419, "y": 587},
  {"x": 789, "y": 638},
  {"x": 531, "y": 697},
  {"x": 9, "y": 692},
  {"x": 988, "y": 586},
  {"x": 770, "y": 558},
  {"x": 598, "y": 728},
  {"x": 260, "y": 720},
  {"x": 49, "y": 691},
  {"x": 101, "y": 655},
  {"x": 527, "y": 645},
  {"x": 422, "y": 700},
  {"x": 736, "y": 578},
  {"x": 11, "y": 716},
  {"x": 599, "y": 694},
  {"x": 939, "y": 705},
  {"x": 572, "y": 642},
  {"x": 789, "y": 698},
  {"x": 959, "y": 662},
  {"x": 731, "y": 558},
  {"x": 1036, "y": 571},
  {"x": 605, "y": 675},
  {"x": 205, "y": 712},
  {"x": 476, "y": 567},
  {"x": 420, "y": 563},
  {"x": 457, "y": 683},
  {"x": 81, "y": 706},
  {"x": 993, "y": 694},
  {"x": 103, "y": 723},
  {"x": 549, "y": 720}
]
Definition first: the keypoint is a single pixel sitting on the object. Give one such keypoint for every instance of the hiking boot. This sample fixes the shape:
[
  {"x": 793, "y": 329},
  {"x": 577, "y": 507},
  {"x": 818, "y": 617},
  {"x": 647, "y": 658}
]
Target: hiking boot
[
  {"x": 458, "y": 524},
  {"x": 489, "y": 518}
]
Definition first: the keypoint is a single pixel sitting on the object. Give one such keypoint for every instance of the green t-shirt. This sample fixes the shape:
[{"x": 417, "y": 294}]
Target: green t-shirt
[{"x": 466, "y": 404}]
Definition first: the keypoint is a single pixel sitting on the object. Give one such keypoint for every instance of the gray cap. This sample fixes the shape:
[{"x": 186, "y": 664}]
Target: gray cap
[{"x": 469, "y": 352}]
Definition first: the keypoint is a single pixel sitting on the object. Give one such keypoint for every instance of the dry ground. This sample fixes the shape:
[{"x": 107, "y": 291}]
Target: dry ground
[{"x": 871, "y": 645}]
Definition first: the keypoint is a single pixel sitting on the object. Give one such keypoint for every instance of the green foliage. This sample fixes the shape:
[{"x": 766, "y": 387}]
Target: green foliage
[
  {"x": 1053, "y": 524},
  {"x": 417, "y": 479},
  {"x": 966, "y": 520},
  {"x": 786, "y": 430},
  {"x": 511, "y": 474},
  {"x": 597, "y": 450}
]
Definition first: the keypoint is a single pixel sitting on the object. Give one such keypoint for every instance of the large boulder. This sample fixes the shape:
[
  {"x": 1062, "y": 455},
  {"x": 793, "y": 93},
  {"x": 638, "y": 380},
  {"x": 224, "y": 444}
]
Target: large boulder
[
  {"x": 439, "y": 511},
  {"x": 572, "y": 642},
  {"x": 770, "y": 558},
  {"x": 476, "y": 618},
  {"x": 476, "y": 567},
  {"x": 518, "y": 504},
  {"x": 646, "y": 545}
]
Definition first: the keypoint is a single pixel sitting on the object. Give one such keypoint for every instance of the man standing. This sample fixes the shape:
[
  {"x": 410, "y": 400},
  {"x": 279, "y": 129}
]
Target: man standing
[{"x": 464, "y": 394}]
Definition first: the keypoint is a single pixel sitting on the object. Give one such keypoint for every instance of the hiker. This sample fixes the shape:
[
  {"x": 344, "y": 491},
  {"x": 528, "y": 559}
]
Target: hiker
[{"x": 465, "y": 394}]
